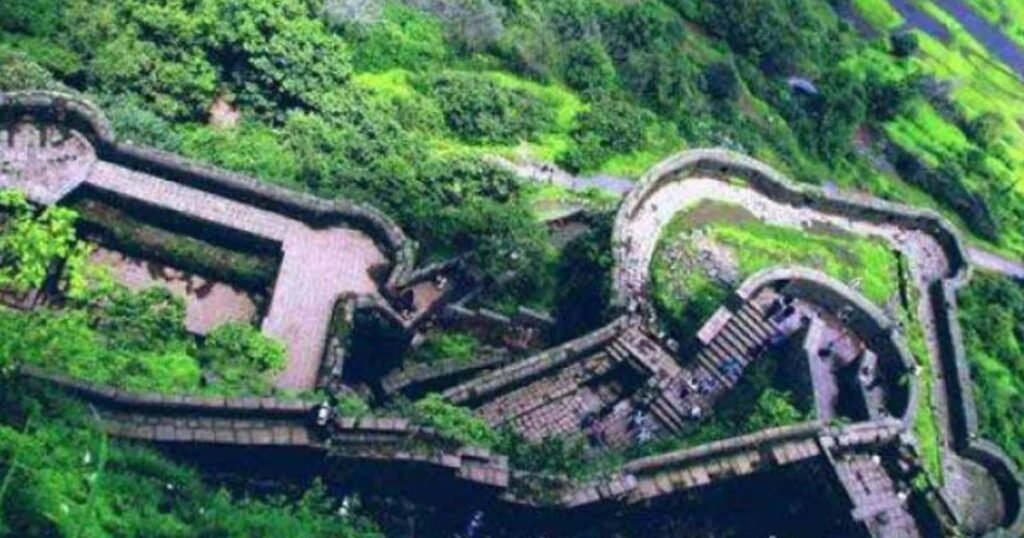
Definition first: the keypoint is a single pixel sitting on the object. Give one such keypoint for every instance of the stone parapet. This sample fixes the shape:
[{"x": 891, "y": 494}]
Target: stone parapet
[
  {"x": 80, "y": 115},
  {"x": 520, "y": 372}
]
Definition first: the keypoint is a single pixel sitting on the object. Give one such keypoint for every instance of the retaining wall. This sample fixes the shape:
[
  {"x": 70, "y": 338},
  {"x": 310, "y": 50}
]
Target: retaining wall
[{"x": 521, "y": 372}]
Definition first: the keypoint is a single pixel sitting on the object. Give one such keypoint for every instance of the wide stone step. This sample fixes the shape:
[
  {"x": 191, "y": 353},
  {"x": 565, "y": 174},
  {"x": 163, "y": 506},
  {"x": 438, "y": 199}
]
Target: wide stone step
[
  {"x": 668, "y": 414},
  {"x": 751, "y": 329},
  {"x": 707, "y": 363},
  {"x": 732, "y": 338},
  {"x": 753, "y": 326},
  {"x": 737, "y": 334}
]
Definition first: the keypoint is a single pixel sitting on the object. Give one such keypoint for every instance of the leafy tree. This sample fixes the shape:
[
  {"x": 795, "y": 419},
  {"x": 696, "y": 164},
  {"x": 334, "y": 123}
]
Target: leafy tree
[
  {"x": 721, "y": 82},
  {"x": 588, "y": 67},
  {"x": 904, "y": 43},
  {"x": 283, "y": 57},
  {"x": 32, "y": 243},
  {"x": 478, "y": 108},
  {"x": 240, "y": 356},
  {"x": 33, "y": 17}
]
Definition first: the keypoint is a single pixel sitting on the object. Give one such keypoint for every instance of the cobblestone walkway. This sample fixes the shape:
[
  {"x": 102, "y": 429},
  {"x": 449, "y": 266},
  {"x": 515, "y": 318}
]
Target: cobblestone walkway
[{"x": 318, "y": 264}]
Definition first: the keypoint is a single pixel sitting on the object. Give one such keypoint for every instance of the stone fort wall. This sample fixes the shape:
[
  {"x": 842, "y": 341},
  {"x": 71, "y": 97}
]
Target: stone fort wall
[
  {"x": 763, "y": 178},
  {"x": 79, "y": 115}
]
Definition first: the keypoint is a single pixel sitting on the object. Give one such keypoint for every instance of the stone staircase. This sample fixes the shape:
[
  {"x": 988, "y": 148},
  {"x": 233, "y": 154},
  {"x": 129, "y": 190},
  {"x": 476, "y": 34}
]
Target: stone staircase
[{"x": 737, "y": 344}]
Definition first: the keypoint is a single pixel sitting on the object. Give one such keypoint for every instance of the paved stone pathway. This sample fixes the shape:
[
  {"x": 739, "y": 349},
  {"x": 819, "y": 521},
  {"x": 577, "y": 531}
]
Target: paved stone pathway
[
  {"x": 996, "y": 263},
  {"x": 318, "y": 264}
]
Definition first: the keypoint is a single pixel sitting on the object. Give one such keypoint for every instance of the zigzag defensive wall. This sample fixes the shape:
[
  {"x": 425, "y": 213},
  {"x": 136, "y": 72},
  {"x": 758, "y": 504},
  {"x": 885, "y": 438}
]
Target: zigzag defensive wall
[{"x": 267, "y": 422}]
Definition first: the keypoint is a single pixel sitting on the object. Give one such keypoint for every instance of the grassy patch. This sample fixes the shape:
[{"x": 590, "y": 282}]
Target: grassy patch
[
  {"x": 879, "y": 14},
  {"x": 687, "y": 294}
]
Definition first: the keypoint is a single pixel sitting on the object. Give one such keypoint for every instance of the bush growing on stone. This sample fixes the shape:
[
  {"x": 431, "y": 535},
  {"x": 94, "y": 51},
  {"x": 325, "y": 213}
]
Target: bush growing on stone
[
  {"x": 136, "y": 321},
  {"x": 462, "y": 347},
  {"x": 456, "y": 422},
  {"x": 241, "y": 357}
]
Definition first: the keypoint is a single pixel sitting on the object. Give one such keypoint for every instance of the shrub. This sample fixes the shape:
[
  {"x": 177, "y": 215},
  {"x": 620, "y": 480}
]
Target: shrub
[
  {"x": 456, "y": 422},
  {"x": 904, "y": 43},
  {"x": 241, "y": 358},
  {"x": 253, "y": 149},
  {"x": 136, "y": 321},
  {"x": 477, "y": 108},
  {"x": 403, "y": 37},
  {"x": 462, "y": 347},
  {"x": 18, "y": 73},
  {"x": 588, "y": 67},
  {"x": 609, "y": 127}
]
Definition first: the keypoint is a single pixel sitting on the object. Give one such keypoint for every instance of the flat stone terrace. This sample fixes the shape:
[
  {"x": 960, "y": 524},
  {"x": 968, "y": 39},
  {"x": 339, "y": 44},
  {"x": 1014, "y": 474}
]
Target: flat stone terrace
[{"x": 318, "y": 264}]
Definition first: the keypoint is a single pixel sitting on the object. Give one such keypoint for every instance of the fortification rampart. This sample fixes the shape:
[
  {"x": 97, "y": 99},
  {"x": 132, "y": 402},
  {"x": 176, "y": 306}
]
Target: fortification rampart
[
  {"x": 79, "y": 115},
  {"x": 724, "y": 164}
]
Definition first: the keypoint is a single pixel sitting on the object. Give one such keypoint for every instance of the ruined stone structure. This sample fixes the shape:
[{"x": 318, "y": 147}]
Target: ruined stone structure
[
  {"x": 618, "y": 383},
  {"x": 54, "y": 144},
  {"x": 931, "y": 243}
]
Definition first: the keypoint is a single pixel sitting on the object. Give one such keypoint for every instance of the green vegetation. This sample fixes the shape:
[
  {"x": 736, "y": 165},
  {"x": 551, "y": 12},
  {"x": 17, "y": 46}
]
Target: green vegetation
[
  {"x": 443, "y": 346},
  {"x": 686, "y": 293},
  {"x": 455, "y": 422},
  {"x": 105, "y": 333},
  {"x": 926, "y": 422},
  {"x": 132, "y": 233},
  {"x": 32, "y": 243},
  {"x": 60, "y": 476},
  {"x": 137, "y": 341},
  {"x": 992, "y": 308},
  {"x": 1003, "y": 13}
]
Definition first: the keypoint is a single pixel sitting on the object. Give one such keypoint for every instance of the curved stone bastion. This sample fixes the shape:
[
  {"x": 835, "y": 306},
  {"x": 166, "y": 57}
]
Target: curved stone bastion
[
  {"x": 938, "y": 263},
  {"x": 53, "y": 144}
]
